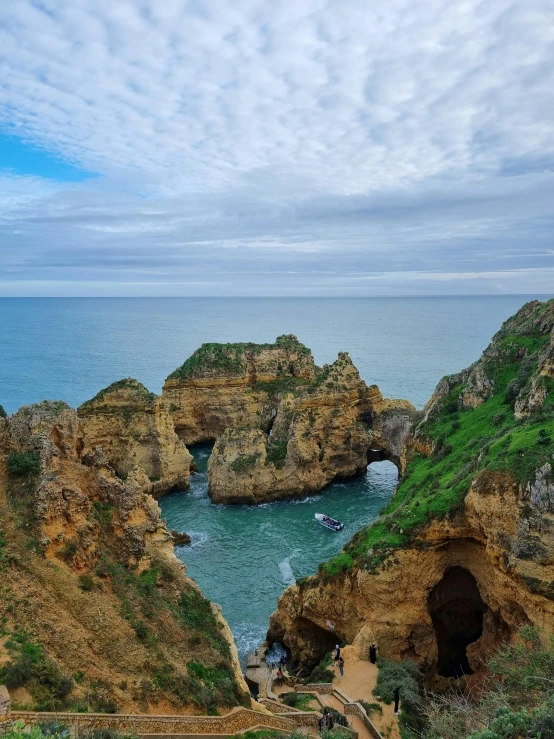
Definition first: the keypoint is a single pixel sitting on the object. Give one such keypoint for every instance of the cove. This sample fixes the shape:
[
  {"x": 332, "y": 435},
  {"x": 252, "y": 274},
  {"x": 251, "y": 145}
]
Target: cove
[{"x": 243, "y": 557}]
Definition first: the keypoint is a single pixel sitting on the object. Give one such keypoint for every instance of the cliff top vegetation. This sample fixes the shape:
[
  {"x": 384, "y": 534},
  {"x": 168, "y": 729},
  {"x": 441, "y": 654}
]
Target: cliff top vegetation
[
  {"x": 138, "y": 393},
  {"x": 231, "y": 359},
  {"x": 494, "y": 419}
]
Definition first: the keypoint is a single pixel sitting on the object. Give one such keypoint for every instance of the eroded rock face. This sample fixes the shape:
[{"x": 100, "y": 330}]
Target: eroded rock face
[
  {"x": 225, "y": 386},
  {"x": 134, "y": 429},
  {"x": 464, "y": 553},
  {"x": 88, "y": 569},
  {"x": 322, "y": 430},
  {"x": 501, "y": 541}
]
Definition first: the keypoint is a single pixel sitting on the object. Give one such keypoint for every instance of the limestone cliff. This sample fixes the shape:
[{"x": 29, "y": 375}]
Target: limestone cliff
[
  {"x": 96, "y": 610},
  {"x": 134, "y": 429},
  {"x": 329, "y": 427},
  {"x": 225, "y": 386},
  {"x": 464, "y": 552}
]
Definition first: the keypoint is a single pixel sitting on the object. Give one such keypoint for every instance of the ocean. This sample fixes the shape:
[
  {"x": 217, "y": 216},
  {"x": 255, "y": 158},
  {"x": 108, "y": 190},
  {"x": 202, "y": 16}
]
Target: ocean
[{"x": 69, "y": 349}]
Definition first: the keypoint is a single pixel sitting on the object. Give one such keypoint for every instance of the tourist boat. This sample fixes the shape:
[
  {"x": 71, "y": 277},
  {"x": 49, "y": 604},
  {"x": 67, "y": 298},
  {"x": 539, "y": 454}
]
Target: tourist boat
[{"x": 328, "y": 522}]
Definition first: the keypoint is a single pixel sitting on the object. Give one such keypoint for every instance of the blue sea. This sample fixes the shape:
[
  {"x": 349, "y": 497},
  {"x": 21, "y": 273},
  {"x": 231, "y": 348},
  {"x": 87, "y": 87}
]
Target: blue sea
[
  {"x": 243, "y": 557},
  {"x": 70, "y": 348}
]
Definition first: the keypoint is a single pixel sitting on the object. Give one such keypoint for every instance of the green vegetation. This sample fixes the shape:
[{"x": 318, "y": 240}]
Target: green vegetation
[
  {"x": 31, "y": 666},
  {"x": 103, "y": 513},
  {"x": 23, "y": 464},
  {"x": 467, "y": 443},
  {"x": 3, "y": 413},
  {"x": 195, "y": 612},
  {"x": 244, "y": 461},
  {"x": 407, "y": 677},
  {"x": 128, "y": 383},
  {"x": 516, "y": 701},
  {"x": 86, "y": 582},
  {"x": 321, "y": 672},
  {"x": 55, "y": 730},
  {"x": 230, "y": 358},
  {"x": 209, "y": 687},
  {"x": 277, "y": 451},
  {"x": 302, "y": 701}
]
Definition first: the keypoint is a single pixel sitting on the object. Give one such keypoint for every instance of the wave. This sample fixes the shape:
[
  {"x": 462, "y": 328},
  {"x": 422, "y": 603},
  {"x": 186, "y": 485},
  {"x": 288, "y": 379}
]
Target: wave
[
  {"x": 248, "y": 636},
  {"x": 198, "y": 538},
  {"x": 286, "y": 572}
]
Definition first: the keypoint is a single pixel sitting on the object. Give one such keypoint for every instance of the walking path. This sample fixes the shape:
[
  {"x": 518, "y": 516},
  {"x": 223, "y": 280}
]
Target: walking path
[{"x": 360, "y": 677}]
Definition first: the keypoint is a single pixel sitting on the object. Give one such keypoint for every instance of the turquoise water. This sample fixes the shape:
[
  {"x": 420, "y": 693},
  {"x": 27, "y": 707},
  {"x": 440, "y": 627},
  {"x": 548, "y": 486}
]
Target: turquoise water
[{"x": 244, "y": 557}]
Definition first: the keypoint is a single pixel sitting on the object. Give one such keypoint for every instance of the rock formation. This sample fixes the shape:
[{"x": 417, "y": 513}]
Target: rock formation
[
  {"x": 134, "y": 429},
  {"x": 329, "y": 427},
  {"x": 225, "y": 386},
  {"x": 464, "y": 552},
  {"x": 96, "y": 605}
]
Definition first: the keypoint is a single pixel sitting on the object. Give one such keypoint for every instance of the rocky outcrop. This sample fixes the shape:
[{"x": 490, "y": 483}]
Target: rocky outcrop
[
  {"x": 134, "y": 429},
  {"x": 225, "y": 386},
  {"x": 464, "y": 552},
  {"x": 89, "y": 575},
  {"x": 330, "y": 427}
]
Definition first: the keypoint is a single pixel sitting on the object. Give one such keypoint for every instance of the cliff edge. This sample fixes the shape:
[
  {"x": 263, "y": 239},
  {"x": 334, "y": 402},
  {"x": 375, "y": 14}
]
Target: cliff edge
[
  {"x": 464, "y": 552},
  {"x": 96, "y": 611}
]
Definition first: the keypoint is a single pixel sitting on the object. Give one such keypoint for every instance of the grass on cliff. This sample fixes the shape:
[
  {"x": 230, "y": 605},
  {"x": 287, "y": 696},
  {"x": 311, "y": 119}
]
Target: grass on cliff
[
  {"x": 31, "y": 666},
  {"x": 128, "y": 383},
  {"x": 231, "y": 358},
  {"x": 514, "y": 700},
  {"x": 466, "y": 442}
]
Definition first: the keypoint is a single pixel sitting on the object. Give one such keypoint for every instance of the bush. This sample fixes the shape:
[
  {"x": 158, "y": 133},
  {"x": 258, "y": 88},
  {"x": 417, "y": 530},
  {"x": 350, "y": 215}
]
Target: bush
[
  {"x": 3, "y": 413},
  {"x": 515, "y": 702},
  {"x": 86, "y": 582},
  {"x": 33, "y": 668},
  {"x": 23, "y": 464},
  {"x": 301, "y": 701},
  {"x": 404, "y": 675},
  {"x": 69, "y": 550},
  {"x": 321, "y": 673},
  {"x": 371, "y": 708},
  {"x": 141, "y": 630}
]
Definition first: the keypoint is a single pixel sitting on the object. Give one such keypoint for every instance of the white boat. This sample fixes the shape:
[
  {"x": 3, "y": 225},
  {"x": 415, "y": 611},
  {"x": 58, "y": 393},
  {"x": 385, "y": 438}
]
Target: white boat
[{"x": 328, "y": 522}]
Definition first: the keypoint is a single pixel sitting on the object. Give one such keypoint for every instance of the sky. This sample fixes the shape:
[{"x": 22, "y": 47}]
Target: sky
[{"x": 296, "y": 147}]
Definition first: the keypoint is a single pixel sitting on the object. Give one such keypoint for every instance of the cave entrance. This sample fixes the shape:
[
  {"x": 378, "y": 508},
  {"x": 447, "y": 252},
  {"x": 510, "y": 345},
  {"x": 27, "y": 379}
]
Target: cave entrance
[
  {"x": 321, "y": 642},
  {"x": 456, "y": 609}
]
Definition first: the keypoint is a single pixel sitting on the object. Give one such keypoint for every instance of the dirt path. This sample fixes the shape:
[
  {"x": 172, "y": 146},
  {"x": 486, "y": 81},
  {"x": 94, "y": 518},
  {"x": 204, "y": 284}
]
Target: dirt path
[{"x": 360, "y": 677}]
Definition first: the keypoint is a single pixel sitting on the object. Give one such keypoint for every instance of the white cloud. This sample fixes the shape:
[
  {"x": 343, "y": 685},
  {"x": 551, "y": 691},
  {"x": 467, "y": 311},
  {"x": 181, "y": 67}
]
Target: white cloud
[{"x": 284, "y": 137}]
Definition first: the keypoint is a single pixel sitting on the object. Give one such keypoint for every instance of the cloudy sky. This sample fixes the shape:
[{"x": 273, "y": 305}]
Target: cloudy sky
[{"x": 295, "y": 147}]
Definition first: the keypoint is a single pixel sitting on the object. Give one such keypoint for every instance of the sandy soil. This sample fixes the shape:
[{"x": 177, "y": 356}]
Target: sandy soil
[{"x": 359, "y": 679}]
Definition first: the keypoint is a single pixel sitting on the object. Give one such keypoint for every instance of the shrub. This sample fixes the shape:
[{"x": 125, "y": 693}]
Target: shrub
[
  {"x": 371, "y": 708},
  {"x": 516, "y": 701},
  {"x": 86, "y": 582},
  {"x": 69, "y": 550},
  {"x": 23, "y": 464},
  {"x": 141, "y": 630},
  {"x": 195, "y": 612},
  {"x": 3, "y": 413},
  {"x": 321, "y": 672},
  {"x": 244, "y": 461},
  {"x": 32, "y": 667},
  {"x": 301, "y": 701}
]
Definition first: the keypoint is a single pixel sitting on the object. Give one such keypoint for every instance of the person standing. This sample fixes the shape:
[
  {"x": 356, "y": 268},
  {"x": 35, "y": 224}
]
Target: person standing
[
  {"x": 373, "y": 654},
  {"x": 396, "y": 694},
  {"x": 337, "y": 654},
  {"x": 341, "y": 666}
]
